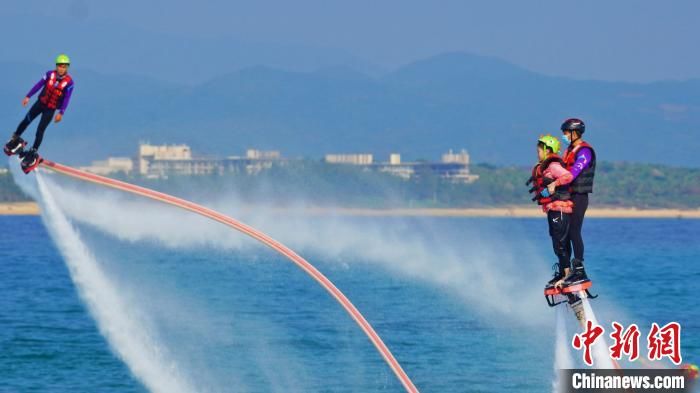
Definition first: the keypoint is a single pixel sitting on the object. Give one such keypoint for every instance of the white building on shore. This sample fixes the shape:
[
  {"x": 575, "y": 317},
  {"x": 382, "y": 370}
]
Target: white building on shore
[
  {"x": 111, "y": 166},
  {"x": 350, "y": 159},
  {"x": 161, "y": 161},
  {"x": 177, "y": 160},
  {"x": 454, "y": 166}
]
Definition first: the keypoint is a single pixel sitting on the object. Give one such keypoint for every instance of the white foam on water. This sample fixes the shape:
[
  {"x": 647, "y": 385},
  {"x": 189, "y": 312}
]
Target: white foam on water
[
  {"x": 475, "y": 270},
  {"x": 120, "y": 322},
  {"x": 562, "y": 354},
  {"x": 599, "y": 351}
]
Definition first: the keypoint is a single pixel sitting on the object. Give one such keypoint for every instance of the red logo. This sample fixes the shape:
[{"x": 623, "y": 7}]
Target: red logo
[
  {"x": 665, "y": 342},
  {"x": 662, "y": 342},
  {"x": 626, "y": 342},
  {"x": 586, "y": 339}
]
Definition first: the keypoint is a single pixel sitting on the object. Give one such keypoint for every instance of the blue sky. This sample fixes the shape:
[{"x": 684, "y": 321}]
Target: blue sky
[{"x": 608, "y": 40}]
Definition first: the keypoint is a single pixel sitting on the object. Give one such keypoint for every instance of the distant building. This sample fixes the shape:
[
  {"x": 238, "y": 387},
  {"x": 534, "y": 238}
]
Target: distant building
[
  {"x": 454, "y": 166},
  {"x": 396, "y": 168},
  {"x": 177, "y": 160},
  {"x": 263, "y": 155},
  {"x": 161, "y": 161},
  {"x": 394, "y": 159},
  {"x": 460, "y": 158},
  {"x": 352, "y": 159},
  {"x": 149, "y": 154},
  {"x": 111, "y": 165}
]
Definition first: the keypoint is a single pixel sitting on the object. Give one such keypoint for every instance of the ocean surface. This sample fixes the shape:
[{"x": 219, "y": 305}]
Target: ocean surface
[{"x": 239, "y": 318}]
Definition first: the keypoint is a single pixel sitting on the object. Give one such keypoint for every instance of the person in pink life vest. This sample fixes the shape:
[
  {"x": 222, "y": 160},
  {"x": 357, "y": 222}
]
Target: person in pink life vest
[{"x": 551, "y": 187}]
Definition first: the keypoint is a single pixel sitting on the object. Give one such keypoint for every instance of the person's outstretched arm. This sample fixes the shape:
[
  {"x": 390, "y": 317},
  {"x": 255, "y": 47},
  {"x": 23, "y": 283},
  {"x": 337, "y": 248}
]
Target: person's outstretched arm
[{"x": 38, "y": 86}]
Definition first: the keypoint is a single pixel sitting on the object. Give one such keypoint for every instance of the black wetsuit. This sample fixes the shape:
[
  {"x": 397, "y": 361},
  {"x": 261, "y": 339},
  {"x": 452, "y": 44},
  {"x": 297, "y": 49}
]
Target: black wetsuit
[
  {"x": 46, "y": 115},
  {"x": 581, "y": 162},
  {"x": 576, "y": 224}
]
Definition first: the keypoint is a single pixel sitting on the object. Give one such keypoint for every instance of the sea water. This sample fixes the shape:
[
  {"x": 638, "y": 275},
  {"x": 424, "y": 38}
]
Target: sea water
[{"x": 243, "y": 319}]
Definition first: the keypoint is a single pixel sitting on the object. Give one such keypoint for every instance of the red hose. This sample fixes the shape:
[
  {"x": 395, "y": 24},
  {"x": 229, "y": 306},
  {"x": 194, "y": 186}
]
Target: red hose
[{"x": 260, "y": 236}]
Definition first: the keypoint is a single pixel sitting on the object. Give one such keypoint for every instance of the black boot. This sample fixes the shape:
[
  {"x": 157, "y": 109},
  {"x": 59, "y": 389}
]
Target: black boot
[
  {"x": 577, "y": 274},
  {"x": 14, "y": 145},
  {"x": 30, "y": 157},
  {"x": 558, "y": 275}
]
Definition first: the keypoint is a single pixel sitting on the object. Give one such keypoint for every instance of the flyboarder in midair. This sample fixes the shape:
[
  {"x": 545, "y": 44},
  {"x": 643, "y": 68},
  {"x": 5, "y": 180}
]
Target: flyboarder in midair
[
  {"x": 551, "y": 185},
  {"x": 56, "y": 89},
  {"x": 580, "y": 160}
]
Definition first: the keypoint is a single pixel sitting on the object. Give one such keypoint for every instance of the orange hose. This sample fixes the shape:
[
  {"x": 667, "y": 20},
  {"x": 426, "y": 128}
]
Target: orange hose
[{"x": 255, "y": 234}]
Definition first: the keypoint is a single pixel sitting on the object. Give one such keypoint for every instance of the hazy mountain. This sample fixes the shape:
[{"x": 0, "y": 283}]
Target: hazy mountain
[{"x": 492, "y": 108}]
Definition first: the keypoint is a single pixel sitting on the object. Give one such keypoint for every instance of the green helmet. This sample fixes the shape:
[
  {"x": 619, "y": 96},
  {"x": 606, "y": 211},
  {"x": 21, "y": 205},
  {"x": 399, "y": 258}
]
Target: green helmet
[
  {"x": 550, "y": 142},
  {"x": 62, "y": 59}
]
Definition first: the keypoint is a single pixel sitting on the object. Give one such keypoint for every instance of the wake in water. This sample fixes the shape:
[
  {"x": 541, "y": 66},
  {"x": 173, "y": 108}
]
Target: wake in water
[
  {"x": 599, "y": 352},
  {"x": 472, "y": 276},
  {"x": 474, "y": 267},
  {"x": 562, "y": 354},
  {"x": 562, "y": 347},
  {"x": 123, "y": 325}
]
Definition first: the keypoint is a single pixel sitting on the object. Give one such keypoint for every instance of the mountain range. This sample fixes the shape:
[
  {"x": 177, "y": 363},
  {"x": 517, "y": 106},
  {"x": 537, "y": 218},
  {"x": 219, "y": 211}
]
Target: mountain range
[{"x": 492, "y": 108}]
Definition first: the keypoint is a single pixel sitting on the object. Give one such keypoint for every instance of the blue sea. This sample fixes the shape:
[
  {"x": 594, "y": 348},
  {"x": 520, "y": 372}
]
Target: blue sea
[{"x": 243, "y": 319}]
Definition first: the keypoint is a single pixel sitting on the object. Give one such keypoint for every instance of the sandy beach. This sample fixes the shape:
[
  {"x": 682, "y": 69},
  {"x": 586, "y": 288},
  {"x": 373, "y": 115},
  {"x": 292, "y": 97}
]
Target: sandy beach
[
  {"x": 19, "y": 209},
  {"x": 31, "y": 208},
  {"x": 515, "y": 211}
]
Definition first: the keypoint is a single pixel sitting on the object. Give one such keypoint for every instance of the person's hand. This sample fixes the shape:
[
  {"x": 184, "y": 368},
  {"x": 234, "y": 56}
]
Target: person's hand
[
  {"x": 552, "y": 187},
  {"x": 58, "y": 117},
  {"x": 25, "y": 101}
]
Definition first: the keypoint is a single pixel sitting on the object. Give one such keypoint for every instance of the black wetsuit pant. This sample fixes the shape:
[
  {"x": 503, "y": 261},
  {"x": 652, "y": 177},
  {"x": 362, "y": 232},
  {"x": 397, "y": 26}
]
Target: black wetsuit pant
[
  {"x": 46, "y": 115},
  {"x": 559, "y": 231},
  {"x": 575, "y": 240}
]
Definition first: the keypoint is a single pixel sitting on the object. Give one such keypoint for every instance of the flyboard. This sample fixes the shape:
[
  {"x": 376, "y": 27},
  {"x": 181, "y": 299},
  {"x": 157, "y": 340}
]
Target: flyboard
[
  {"x": 29, "y": 160},
  {"x": 571, "y": 294},
  {"x": 559, "y": 295}
]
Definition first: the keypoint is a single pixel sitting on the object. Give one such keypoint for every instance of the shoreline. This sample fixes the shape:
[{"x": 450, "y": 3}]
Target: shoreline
[
  {"x": 19, "y": 209},
  {"x": 32, "y": 209}
]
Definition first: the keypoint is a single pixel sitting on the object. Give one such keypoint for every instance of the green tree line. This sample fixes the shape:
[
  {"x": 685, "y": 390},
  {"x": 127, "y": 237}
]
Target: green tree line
[{"x": 313, "y": 182}]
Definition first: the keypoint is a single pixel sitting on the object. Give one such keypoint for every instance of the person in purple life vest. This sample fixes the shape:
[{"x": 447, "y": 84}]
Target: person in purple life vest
[
  {"x": 56, "y": 89},
  {"x": 579, "y": 159}
]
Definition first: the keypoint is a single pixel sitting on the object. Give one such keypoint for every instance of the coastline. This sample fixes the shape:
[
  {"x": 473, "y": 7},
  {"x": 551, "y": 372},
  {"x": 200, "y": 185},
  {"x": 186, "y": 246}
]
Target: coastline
[
  {"x": 19, "y": 209},
  {"x": 506, "y": 211},
  {"x": 32, "y": 209}
]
